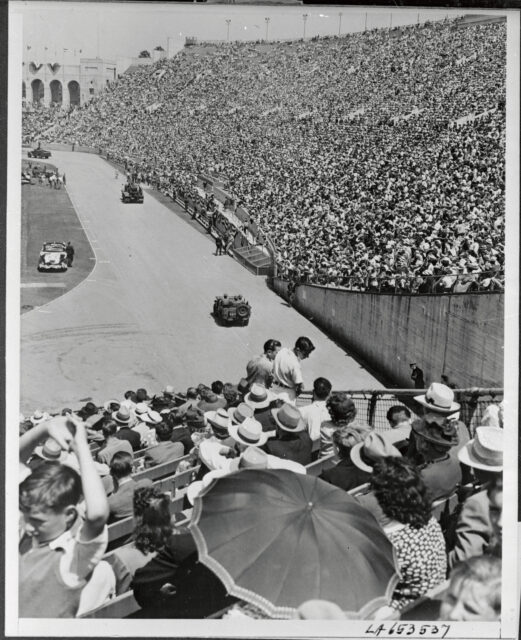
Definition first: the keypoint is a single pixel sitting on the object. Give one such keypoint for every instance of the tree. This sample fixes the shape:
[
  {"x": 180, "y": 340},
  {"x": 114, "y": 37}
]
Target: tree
[
  {"x": 158, "y": 48},
  {"x": 144, "y": 54}
]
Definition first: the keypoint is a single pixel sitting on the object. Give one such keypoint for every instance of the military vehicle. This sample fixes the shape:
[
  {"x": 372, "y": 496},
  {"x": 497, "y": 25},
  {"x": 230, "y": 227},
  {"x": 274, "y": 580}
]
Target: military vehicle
[
  {"x": 132, "y": 193},
  {"x": 232, "y": 310}
]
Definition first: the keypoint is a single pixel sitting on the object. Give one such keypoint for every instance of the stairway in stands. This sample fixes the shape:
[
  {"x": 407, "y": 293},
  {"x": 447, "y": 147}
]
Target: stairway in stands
[{"x": 254, "y": 259}]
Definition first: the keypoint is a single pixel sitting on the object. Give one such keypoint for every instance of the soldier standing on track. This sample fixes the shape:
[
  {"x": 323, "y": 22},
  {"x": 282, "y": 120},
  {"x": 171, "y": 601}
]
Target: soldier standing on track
[{"x": 69, "y": 249}]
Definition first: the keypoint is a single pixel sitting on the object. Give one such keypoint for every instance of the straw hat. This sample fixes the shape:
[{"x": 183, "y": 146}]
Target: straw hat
[
  {"x": 258, "y": 397},
  {"x": 218, "y": 419},
  {"x": 289, "y": 418},
  {"x": 51, "y": 451},
  {"x": 239, "y": 413},
  {"x": 122, "y": 416},
  {"x": 248, "y": 432},
  {"x": 374, "y": 447},
  {"x": 439, "y": 399},
  {"x": 485, "y": 451},
  {"x": 39, "y": 416}
]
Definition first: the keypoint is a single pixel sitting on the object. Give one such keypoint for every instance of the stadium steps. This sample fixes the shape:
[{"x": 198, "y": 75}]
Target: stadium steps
[{"x": 254, "y": 259}]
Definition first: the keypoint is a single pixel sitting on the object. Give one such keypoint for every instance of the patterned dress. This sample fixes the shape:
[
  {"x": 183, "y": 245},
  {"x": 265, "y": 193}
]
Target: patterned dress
[{"x": 422, "y": 559}]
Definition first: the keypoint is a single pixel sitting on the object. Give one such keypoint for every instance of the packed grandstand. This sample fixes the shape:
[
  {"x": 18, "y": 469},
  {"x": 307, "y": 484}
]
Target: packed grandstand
[
  {"x": 373, "y": 161},
  {"x": 375, "y": 158}
]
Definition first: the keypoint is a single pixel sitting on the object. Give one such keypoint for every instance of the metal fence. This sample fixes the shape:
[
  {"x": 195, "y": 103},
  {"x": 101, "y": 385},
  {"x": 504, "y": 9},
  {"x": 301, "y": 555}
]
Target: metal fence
[{"x": 372, "y": 405}]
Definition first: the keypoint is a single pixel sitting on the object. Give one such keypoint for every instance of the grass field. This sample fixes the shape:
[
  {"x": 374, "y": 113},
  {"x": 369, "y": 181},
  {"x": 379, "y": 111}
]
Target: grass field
[{"x": 48, "y": 215}]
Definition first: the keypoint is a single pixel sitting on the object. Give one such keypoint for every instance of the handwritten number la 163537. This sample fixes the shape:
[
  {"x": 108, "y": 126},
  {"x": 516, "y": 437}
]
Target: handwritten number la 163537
[{"x": 408, "y": 629}]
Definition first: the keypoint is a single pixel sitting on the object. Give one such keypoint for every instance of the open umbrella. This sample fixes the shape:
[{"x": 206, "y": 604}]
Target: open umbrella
[{"x": 277, "y": 539}]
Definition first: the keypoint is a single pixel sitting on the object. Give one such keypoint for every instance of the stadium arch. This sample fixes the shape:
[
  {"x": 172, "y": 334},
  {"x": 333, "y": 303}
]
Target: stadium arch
[
  {"x": 74, "y": 93},
  {"x": 38, "y": 89},
  {"x": 56, "y": 92}
]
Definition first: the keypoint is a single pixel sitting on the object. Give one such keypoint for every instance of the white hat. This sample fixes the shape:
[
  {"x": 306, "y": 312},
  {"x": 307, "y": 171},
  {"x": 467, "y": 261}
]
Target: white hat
[
  {"x": 485, "y": 450},
  {"x": 219, "y": 419},
  {"x": 248, "y": 432},
  {"x": 439, "y": 399},
  {"x": 39, "y": 416},
  {"x": 258, "y": 397},
  {"x": 152, "y": 417}
]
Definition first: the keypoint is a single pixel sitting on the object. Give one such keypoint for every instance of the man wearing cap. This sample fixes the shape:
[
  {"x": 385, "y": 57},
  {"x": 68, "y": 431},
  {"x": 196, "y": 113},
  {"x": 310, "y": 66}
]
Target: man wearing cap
[
  {"x": 287, "y": 375},
  {"x": 473, "y": 533},
  {"x": 124, "y": 420},
  {"x": 260, "y": 369},
  {"x": 292, "y": 441}
]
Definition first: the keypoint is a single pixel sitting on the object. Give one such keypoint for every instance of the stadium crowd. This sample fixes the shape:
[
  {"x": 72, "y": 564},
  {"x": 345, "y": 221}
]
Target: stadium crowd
[
  {"x": 373, "y": 161},
  {"x": 419, "y": 483}
]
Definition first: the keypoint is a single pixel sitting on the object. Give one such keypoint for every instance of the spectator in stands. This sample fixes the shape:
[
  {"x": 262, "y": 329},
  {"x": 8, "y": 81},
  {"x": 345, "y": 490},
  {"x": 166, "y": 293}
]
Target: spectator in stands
[
  {"x": 399, "y": 420},
  {"x": 474, "y": 531},
  {"x": 495, "y": 512},
  {"x": 287, "y": 375},
  {"x": 415, "y": 534},
  {"x": 474, "y": 593},
  {"x": 316, "y": 413},
  {"x": 121, "y": 499},
  {"x": 342, "y": 410},
  {"x": 292, "y": 441},
  {"x": 260, "y": 369},
  {"x": 219, "y": 421},
  {"x": 165, "y": 401},
  {"x": 152, "y": 531},
  {"x": 141, "y": 424},
  {"x": 112, "y": 443},
  {"x": 165, "y": 450},
  {"x": 124, "y": 419},
  {"x": 210, "y": 401},
  {"x": 192, "y": 400},
  {"x": 129, "y": 402},
  {"x": 261, "y": 401},
  {"x": 346, "y": 475},
  {"x": 65, "y": 548}
]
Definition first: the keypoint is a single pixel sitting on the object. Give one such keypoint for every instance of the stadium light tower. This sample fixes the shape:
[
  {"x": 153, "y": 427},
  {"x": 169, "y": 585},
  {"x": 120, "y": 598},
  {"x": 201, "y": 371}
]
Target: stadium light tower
[
  {"x": 267, "y": 21},
  {"x": 339, "y": 22},
  {"x": 227, "y": 29},
  {"x": 304, "y": 18}
]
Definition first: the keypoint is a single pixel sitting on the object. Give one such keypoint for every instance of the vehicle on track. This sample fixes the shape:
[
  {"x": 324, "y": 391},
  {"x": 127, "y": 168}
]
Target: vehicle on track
[
  {"x": 39, "y": 153},
  {"x": 53, "y": 257},
  {"x": 232, "y": 309},
  {"x": 132, "y": 193}
]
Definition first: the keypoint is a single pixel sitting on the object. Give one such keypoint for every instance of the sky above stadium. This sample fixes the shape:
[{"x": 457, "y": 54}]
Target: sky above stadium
[{"x": 68, "y": 30}]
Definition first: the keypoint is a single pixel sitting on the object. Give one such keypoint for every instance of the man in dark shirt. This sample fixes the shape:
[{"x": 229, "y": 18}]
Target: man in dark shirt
[
  {"x": 417, "y": 376},
  {"x": 292, "y": 441}
]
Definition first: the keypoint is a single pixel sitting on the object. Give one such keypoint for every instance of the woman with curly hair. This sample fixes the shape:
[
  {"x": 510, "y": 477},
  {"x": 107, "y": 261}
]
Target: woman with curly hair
[
  {"x": 152, "y": 514},
  {"x": 343, "y": 413},
  {"x": 416, "y": 536}
]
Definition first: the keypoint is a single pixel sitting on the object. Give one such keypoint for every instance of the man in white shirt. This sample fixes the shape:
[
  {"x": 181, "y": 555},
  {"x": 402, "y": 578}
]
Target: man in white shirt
[
  {"x": 260, "y": 369},
  {"x": 288, "y": 381},
  {"x": 316, "y": 413}
]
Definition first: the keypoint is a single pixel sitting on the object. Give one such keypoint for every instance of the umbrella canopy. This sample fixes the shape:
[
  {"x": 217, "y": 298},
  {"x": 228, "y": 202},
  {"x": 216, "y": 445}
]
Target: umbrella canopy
[{"x": 277, "y": 539}]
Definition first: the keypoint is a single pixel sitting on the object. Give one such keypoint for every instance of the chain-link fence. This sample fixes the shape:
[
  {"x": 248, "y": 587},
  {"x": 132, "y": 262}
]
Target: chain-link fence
[{"x": 372, "y": 405}]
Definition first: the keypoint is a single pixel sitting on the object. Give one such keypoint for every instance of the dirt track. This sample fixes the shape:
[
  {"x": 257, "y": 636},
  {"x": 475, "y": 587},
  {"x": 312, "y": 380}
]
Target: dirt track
[{"x": 142, "y": 317}]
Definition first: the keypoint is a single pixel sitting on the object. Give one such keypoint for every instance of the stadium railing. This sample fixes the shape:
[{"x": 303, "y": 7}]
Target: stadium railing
[
  {"x": 395, "y": 284},
  {"x": 372, "y": 404}
]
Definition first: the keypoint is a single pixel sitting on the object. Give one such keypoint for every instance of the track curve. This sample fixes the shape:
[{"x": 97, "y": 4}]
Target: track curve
[{"x": 142, "y": 316}]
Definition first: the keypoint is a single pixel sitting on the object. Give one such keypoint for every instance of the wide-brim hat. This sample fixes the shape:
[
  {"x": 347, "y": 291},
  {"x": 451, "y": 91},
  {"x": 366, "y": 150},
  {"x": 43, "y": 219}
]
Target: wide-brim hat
[
  {"x": 239, "y": 413},
  {"x": 439, "y": 398},
  {"x": 108, "y": 405},
  {"x": 249, "y": 433},
  {"x": 39, "y": 416},
  {"x": 445, "y": 434},
  {"x": 219, "y": 419},
  {"x": 374, "y": 447},
  {"x": 151, "y": 417},
  {"x": 485, "y": 450},
  {"x": 122, "y": 416},
  {"x": 51, "y": 451},
  {"x": 288, "y": 418},
  {"x": 258, "y": 397},
  {"x": 141, "y": 409}
]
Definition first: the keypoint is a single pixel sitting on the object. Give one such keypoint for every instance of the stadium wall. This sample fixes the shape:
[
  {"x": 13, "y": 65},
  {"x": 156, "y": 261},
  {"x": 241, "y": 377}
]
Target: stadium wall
[{"x": 460, "y": 335}]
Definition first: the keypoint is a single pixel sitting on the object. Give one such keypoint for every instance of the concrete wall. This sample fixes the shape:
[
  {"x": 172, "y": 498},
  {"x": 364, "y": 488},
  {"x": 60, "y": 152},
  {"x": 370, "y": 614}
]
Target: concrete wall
[{"x": 460, "y": 335}]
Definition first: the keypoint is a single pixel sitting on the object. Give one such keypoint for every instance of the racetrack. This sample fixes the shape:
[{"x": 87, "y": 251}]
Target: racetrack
[{"x": 142, "y": 316}]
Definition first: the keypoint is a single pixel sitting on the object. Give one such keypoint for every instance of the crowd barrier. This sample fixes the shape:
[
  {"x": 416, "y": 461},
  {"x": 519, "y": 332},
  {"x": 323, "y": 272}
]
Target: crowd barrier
[{"x": 372, "y": 404}]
